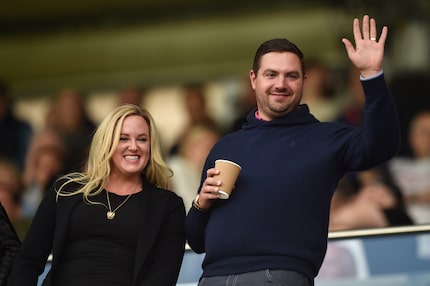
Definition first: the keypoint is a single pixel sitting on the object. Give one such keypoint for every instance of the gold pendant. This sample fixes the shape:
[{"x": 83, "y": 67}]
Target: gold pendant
[{"x": 110, "y": 215}]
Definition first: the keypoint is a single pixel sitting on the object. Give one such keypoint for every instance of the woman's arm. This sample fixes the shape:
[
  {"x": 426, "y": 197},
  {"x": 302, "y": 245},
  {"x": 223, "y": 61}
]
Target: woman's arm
[
  {"x": 37, "y": 245},
  {"x": 165, "y": 260}
]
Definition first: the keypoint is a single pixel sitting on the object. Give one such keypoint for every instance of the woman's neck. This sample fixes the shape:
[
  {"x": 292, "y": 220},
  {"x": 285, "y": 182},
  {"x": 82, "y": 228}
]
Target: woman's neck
[{"x": 124, "y": 186}]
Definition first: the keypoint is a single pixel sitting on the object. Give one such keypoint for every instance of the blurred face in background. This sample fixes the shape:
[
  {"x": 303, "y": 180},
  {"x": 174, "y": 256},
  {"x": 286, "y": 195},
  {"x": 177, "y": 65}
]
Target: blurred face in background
[
  {"x": 68, "y": 111},
  {"x": 10, "y": 189},
  {"x": 419, "y": 135},
  {"x": 197, "y": 144}
]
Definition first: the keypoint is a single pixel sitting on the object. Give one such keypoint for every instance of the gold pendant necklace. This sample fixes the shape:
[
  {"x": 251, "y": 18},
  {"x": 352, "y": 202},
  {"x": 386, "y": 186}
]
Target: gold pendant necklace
[{"x": 111, "y": 213}]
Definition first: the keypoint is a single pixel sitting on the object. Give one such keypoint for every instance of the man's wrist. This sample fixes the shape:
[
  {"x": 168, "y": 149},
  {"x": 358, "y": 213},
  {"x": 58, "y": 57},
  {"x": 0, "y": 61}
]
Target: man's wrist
[
  {"x": 197, "y": 205},
  {"x": 371, "y": 76}
]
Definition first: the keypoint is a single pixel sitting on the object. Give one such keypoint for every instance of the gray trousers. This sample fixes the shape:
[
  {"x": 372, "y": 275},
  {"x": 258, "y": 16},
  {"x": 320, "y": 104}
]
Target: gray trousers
[{"x": 259, "y": 278}]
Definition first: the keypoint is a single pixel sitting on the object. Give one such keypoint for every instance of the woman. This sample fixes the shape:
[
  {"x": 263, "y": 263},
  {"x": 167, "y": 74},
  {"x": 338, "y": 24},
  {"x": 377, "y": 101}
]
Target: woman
[{"x": 115, "y": 223}]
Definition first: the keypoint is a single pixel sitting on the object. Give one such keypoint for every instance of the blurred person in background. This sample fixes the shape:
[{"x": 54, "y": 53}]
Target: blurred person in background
[
  {"x": 412, "y": 174},
  {"x": 273, "y": 228},
  {"x": 46, "y": 158},
  {"x": 187, "y": 164},
  {"x": 114, "y": 223},
  {"x": 245, "y": 103},
  {"x": 196, "y": 108},
  {"x": 70, "y": 119},
  {"x": 367, "y": 199},
  {"x": 131, "y": 95},
  {"x": 352, "y": 110},
  {"x": 407, "y": 87},
  {"x": 16, "y": 133},
  {"x": 196, "y": 105},
  {"x": 319, "y": 92},
  {"x": 48, "y": 163},
  {"x": 11, "y": 189}
]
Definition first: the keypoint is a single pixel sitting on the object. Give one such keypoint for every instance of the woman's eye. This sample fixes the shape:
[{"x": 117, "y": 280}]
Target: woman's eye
[{"x": 123, "y": 138}]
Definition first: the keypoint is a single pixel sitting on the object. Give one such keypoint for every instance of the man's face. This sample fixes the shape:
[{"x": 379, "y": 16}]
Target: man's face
[{"x": 278, "y": 84}]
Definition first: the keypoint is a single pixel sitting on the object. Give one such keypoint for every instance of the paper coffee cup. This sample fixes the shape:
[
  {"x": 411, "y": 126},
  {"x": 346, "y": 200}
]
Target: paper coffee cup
[{"x": 229, "y": 171}]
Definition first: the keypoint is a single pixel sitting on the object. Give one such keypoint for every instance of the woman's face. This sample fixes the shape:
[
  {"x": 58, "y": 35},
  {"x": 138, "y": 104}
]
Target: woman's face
[{"x": 132, "y": 153}]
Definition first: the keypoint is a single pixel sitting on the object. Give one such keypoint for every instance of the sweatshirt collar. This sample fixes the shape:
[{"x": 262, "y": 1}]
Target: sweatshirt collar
[{"x": 297, "y": 117}]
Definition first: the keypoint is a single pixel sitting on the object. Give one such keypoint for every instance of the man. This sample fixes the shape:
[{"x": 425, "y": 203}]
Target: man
[{"x": 273, "y": 228}]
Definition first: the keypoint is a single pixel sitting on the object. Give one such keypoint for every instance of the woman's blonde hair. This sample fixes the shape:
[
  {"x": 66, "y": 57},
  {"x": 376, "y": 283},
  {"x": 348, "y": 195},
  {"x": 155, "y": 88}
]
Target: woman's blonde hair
[{"x": 104, "y": 143}]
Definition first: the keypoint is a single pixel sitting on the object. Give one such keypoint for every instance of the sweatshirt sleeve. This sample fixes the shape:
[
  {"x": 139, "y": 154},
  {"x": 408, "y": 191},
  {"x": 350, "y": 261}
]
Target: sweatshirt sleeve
[
  {"x": 195, "y": 225},
  {"x": 379, "y": 138}
]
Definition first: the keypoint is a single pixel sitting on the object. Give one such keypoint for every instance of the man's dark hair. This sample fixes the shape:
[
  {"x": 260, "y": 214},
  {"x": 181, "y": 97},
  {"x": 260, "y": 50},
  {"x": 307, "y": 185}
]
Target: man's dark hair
[{"x": 277, "y": 45}]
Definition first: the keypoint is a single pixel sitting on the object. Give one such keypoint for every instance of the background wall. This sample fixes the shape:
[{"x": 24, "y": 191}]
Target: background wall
[{"x": 47, "y": 45}]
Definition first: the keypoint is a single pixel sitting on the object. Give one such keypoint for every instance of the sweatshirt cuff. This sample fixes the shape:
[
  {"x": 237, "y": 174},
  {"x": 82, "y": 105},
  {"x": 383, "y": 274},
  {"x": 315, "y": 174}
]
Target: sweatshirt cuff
[{"x": 372, "y": 77}]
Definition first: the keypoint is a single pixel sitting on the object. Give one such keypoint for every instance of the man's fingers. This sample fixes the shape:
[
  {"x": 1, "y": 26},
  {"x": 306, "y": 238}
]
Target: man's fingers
[
  {"x": 365, "y": 29},
  {"x": 348, "y": 45}
]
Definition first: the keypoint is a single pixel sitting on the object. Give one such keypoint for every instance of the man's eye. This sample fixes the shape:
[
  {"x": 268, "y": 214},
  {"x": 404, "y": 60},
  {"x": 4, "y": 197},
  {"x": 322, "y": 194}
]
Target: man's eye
[
  {"x": 270, "y": 74},
  {"x": 293, "y": 75}
]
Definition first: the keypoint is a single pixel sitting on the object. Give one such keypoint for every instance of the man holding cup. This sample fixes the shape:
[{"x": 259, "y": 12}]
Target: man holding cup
[{"x": 273, "y": 227}]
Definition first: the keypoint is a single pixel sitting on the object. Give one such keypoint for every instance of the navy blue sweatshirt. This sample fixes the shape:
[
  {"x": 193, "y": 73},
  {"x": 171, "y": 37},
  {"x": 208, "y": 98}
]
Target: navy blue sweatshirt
[{"x": 277, "y": 216}]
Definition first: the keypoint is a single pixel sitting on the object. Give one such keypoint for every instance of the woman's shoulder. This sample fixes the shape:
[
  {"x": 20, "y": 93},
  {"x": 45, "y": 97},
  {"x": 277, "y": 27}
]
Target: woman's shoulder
[
  {"x": 66, "y": 184},
  {"x": 161, "y": 192}
]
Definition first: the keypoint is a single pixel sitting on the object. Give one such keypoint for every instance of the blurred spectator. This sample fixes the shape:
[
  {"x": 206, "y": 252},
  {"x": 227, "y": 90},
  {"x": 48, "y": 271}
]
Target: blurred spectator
[
  {"x": 10, "y": 195},
  {"x": 132, "y": 95},
  {"x": 188, "y": 162},
  {"x": 246, "y": 102},
  {"x": 69, "y": 118},
  {"x": 10, "y": 188},
  {"x": 46, "y": 165},
  {"x": 319, "y": 92},
  {"x": 196, "y": 105},
  {"x": 16, "y": 133},
  {"x": 412, "y": 174},
  {"x": 197, "y": 111},
  {"x": 47, "y": 138},
  {"x": 367, "y": 199},
  {"x": 407, "y": 88},
  {"x": 352, "y": 111}
]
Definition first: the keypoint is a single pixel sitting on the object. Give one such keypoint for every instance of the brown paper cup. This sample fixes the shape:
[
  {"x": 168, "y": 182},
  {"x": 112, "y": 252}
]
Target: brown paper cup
[{"x": 228, "y": 174}]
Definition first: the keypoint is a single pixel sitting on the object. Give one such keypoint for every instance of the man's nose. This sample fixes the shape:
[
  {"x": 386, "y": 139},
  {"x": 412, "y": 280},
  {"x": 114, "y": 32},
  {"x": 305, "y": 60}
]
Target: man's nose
[{"x": 281, "y": 82}]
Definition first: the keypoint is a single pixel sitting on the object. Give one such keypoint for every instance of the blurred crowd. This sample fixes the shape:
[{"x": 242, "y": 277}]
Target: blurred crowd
[{"x": 397, "y": 193}]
